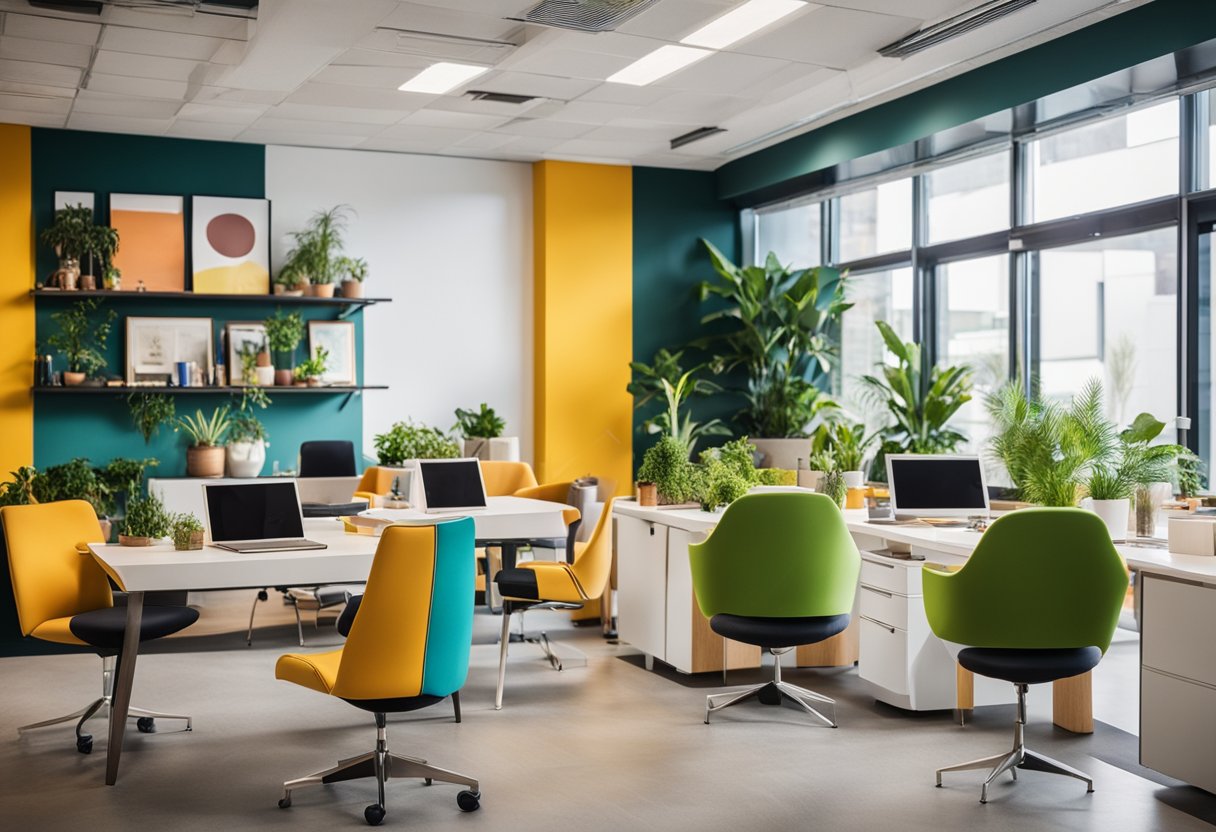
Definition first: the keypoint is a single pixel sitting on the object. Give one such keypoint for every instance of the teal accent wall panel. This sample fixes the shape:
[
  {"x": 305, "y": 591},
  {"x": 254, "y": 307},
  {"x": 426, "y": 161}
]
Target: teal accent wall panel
[
  {"x": 1116, "y": 43},
  {"x": 672, "y": 211}
]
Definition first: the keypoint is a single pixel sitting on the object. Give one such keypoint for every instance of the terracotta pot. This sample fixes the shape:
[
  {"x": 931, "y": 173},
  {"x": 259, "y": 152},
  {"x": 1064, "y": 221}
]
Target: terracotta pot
[
  {"x": 263, "y": 359},
  {"x": 308, "y": 290},
  {"x": 300, "y": 383},
  {"x": 322, "y": 290},
  {"x": 282, "y": 378},
  {"x": 314, "y": 382},
  {"x": 205, "y": 461},
  {"x": 195, "y": 543},
  {"x": 87, "y": 283},
  {"x": 128, "y": 540},
  {"x": 71, "y": 379},
  {"x": 648, "y": 494},
  {"x": 292, "y": 293},
  {"x": 352, "y": 288}
]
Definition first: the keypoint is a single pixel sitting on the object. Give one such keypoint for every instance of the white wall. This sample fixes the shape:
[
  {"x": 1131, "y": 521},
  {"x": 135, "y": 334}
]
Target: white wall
[{"x": 450, "y": 241}]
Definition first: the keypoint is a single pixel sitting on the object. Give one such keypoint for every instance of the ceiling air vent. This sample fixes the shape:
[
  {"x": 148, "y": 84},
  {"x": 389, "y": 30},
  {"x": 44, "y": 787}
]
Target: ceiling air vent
[
  {"x": 499, "y": 97},
  {"x": 585, "y": 15},
  {"x": 696, "y": 135},
  {"x": 952, "y": 27}
]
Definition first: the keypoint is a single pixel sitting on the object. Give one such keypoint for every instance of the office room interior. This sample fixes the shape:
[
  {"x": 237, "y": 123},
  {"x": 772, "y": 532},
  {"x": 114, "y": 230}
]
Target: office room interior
[{"x": 630, "y": 414}]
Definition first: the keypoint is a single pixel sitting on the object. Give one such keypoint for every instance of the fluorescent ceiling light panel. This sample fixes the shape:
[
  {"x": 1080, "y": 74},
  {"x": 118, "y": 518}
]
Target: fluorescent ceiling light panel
[
  {"x": 442, "y": 77},
  {"x": 740, "y": 22},
  {"x": 658, "y": 64}
]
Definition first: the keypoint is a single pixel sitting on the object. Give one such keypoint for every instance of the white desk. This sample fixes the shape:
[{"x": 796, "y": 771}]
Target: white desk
[{"x": 348, "y": 559}]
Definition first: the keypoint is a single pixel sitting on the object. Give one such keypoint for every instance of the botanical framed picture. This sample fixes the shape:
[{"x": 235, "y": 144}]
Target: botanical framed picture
[
  {"x": 230, "y": 245},
  {"x": 338, "y": 340},
  {"x": 156, "y": 345},
  {"x": 152, "y": 248},
  {"x": 243, "y": 337}
]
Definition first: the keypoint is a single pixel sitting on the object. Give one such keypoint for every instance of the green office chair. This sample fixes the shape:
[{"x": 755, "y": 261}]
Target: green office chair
[
  {"x": 779, "y": 570},
  {"x": 1037, "y": 601}
]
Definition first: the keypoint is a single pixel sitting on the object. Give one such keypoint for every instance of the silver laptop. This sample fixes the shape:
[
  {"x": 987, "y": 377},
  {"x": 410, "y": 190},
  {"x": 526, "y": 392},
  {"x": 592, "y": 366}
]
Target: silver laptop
[
  {"x": 256, "y": 517},
  {"x": 449, "y": 485},
  {"x": 936, "y": 485}
]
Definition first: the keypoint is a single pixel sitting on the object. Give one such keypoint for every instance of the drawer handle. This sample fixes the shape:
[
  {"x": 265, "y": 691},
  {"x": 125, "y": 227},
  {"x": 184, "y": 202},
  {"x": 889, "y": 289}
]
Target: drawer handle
[
  {"x": 878, "y": 591},
  {"x": 886, "y": 627},
  {"x": 880, "y": 563}
]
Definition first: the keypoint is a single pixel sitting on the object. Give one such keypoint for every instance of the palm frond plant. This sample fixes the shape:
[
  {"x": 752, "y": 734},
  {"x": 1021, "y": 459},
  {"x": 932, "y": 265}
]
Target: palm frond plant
[
  {"x": 1189, "y": 470},
  {"x": 665, "y": 379},
  {"x": 316, "y": 256}
]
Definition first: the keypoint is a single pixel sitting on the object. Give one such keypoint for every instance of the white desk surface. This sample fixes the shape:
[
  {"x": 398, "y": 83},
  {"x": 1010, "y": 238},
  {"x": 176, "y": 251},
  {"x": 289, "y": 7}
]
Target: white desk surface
[
  {"x": 951, "y": 541},
  {"x": 348, "y": 558}
]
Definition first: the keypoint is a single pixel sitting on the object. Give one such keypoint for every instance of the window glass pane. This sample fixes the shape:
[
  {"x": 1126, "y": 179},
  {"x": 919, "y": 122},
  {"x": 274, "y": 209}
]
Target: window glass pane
[
  {"x": 1108, "y": 309},
  {"x": 968, "y": 199},
  {"x": 973, "y": 329},
  {"x": 876, "y": 296},
  {"x": 876, "y": 221},
  {"x": 793, "y": 233},
  {"x": 1207, "y": 351},
  {"x": 1117, "y": 161},
  {"x": 1209, "y": 130}
]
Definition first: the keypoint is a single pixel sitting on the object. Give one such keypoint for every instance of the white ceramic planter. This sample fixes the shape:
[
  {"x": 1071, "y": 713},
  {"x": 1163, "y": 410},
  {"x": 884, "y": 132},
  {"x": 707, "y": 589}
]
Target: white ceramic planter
[
  {"x": 264, "y": 376},
  {"x": 1114, "y": 514},
  {"x": 505, "y": 448},
  {"x": 782, "y": 453},
  {"x": 854, "y": 479},
  {"x": 809, "y": 479},
  {"x": 477, "y": 448},
  {"x": 246, "y": 459}
]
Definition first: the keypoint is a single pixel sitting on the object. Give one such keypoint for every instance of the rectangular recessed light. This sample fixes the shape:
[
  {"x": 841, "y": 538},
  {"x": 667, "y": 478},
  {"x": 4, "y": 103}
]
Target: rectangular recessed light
[
  {"x": 658, "y": 64},
  {"x": 442, "y": 77},
  {"x": 740, "y": 22}
]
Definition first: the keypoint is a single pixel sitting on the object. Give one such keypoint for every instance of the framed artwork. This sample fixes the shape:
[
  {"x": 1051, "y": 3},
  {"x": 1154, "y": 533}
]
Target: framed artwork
[
  {"x": 230, "y": 245},
  {"x": 242, "y": 336},
  {"x": 70, "y": 199},
  {"x": 338, "y": 339},
  {"x": 155, "y": 345},
  {"x": 152, "y": 241}
]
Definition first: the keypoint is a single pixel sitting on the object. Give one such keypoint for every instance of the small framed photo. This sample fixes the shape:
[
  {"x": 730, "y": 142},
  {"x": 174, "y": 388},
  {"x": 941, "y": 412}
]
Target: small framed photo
[
  {"x": 243, "y": 337},
  {"x": 156, "y": 345},
  {"x": 338, "y": 340}
]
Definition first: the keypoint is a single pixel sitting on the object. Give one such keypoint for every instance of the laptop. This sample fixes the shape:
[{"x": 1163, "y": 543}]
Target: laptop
[
  {"x": 327, "y": 490},
  {"x": 449, "y": 485},
  {"x": 936, "y": 485},
  {"x": 256, "y": 517}
]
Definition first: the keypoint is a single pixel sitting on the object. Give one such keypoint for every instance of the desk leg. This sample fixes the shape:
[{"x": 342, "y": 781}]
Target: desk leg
[
  {"x": 122, "y": 684},
  {"x": 1072, "y": 703}
]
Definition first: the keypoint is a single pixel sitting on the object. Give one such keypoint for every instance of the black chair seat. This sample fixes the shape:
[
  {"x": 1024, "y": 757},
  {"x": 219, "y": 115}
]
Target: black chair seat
[
  {"x": 105, "y": 628},
  {"x": 1029, "y": 667},
  {"x": 397, "y": 705},
  {"x": 778, "y": 632},
  {"x": 518, "y": 583}
]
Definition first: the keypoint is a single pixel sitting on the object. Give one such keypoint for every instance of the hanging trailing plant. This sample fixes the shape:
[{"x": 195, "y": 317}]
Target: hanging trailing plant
[{"x": 149, "y": 411}]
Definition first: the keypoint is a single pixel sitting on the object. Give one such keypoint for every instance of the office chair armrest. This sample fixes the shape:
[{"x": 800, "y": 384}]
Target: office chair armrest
[
  {"x": 347, "y": 617},
  {"x": 82, "y": 548},
  {"x": 941, "y": 568}
]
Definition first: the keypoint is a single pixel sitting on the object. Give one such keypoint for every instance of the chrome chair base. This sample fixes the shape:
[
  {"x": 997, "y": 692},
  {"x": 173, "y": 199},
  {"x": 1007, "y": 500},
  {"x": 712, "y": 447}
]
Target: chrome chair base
[
  {"x": 384, "y": 766},
  {"x": 1020, "y": 757},
  {"x": 541, "y": 640},
  {"x": 774, "y": 693}
]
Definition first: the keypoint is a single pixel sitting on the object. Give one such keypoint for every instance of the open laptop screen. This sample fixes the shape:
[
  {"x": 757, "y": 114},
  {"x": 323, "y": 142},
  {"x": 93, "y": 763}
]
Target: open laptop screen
[
  {"x": 253, "y": 511},
  {"x": 452, "y": 484},
  {"x": 937, "y": 484}
]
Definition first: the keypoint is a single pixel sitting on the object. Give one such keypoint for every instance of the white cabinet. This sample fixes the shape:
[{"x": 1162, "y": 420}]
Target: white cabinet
[{"x": 641, "y": 575}]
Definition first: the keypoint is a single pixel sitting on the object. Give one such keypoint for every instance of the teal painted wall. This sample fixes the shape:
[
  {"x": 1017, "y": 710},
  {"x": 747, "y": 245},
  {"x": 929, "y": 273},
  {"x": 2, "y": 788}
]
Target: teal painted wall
[
  {"x": 1124, "y": 40},
  {"x": 672, "y": 211}
]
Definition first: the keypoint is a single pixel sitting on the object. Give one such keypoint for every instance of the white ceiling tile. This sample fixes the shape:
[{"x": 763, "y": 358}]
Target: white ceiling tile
[
  {"x": 661, "y": 133},
  {"x": 162, "y": 44},
  {"x": 225, "y": 95},
  {"x": 615, "y": 150},
  {"x": 923, "y": 9},
  {"x": 205, "y": 130},
  {"x": 208, "y": 25},
  {"x": 624, "y": 94},
  {"x": 380, "y": 77},
  {"x": 675, "y": 19},
  {"x": 53, "y": 29},
  {"x": 145, "y": 66},
  {"x": 544, "y": 127},
  {"x": 487, "y": 141},
  {"x": 119, "y": 124},
  {"x": 337, "y": 95},
  {"x": 832, "y": 37},
  {"x": 421, "y": 134},
  {"x": 33, "y": 119},
  {"x": 496, "y": 8},
  {"x": 317, "y": 112},
  {"x": 28, "y": 72},
  {"x": 360, "y": 56},
  {"x": 292, "y": 138},
  {"x": 39, "y": 90},
  {"x": 461, "y": 104},
  {"x": 450, "y": 118},
  {"x": 400, "y": 146},
  {"x": 693, "y": 108},
  {"x": 218, "y": 113},
  {"x": 571, "y": 63},
  {"x": 532, "y": 144},
  {"x": 724, "y": 73},
  {"x": 525, "y": 83},
  {"x": 449, "y": 21},
  {"x": 52, "y": 105},
  {"x": 105, "y": 104},
  {"x": 147, "y": 87},
  {"x": 230, "y": 52},
  {"x": 45, "y": 51},
  {"x": 270, "y": 124},
  {"x": 590, "y": 112}
]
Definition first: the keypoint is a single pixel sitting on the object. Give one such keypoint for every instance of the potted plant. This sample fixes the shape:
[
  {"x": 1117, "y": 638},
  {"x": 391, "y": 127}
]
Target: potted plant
[
  {"x": 122, "y": 480},
  {"x": 146, "y": 522},
  {"x": 665, "y": 378},
  {"x": 19, "y": 491},
  {"x": 847, "y": 444},
  {"x": 289, "y": 282},
  {"x": 1189, "y": 470},
  {"x": 317, "y": 250},
  {"x": 832, "y": 484},
  {"x": 283, "y": 334},
  {"x": 245, "y": 451},
  {"x": 149, "y": 411},
  {"x": 205, "y": 456},
  {"x": 69, "y": 236},
  {"x": 81, "y": 339},
  {"x": 666, "y": 464},
  {"x": 482, "y": 433},
  {"x": 101, "y": 245},
  {"x": 778, "y": 328},
  {"x": 309, "y": 371},
  {"x": 187, "y": 532},
  {"x": 112, "y": 278},
  {"x": 408, "y": 440},
  {"x": 354, "y": 271}
]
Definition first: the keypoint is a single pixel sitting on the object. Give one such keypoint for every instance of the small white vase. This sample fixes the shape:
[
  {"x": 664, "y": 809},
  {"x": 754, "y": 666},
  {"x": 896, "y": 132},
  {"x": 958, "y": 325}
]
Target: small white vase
[
  {"x": 1114, "y": 514},
  {"x": 264, "y": 376},
  {"x": 246, "y": 459},
  {"x": 505, "y": 448},
  {"x": 854, "y": 479}
]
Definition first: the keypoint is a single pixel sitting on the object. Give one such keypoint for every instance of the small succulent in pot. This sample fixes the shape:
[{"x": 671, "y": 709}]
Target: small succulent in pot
[{"x": 187, "y": 532}]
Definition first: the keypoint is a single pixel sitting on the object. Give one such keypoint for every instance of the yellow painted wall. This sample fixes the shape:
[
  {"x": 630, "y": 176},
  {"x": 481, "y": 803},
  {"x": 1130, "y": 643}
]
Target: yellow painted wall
[
  {"x": 16, "y": 306},
  {"x": 583, "y": 227}
]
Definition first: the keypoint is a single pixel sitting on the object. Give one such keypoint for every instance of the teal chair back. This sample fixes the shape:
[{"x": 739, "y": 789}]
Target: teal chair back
[
  {"x": 1039, "y": 578},
  {"x": 777, "y": 555}
]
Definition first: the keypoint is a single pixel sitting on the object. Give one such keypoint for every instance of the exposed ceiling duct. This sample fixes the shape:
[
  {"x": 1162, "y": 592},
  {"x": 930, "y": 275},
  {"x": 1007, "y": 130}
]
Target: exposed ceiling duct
[
  {"x": 952, "y": 27},
  {"x": 585, "y": 15},
  {"x": 695, "y": 136}
]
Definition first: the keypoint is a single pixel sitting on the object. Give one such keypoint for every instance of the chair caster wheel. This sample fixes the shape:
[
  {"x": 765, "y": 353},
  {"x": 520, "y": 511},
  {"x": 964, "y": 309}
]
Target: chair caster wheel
[
  {"x": 428, "y": 781},
  {"x": 146, "y": 725},
  {"x": 284, "y": 802},
  {"x": 468, "y": 800},
  {"x": 263, "y": 595},
  {"x": 84, "y": 743},
  {"x": 374, "y": 815}
]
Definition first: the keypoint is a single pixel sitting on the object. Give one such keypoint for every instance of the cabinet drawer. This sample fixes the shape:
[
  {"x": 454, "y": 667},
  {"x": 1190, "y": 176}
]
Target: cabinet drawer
[
  {"x": 900, "y": 577},
  {"x": 1177, "y": 732},
  {"x": 884, "y": 656},
  {"x": 1177, "y": 624},
  {"x": 884, "y": 606}
]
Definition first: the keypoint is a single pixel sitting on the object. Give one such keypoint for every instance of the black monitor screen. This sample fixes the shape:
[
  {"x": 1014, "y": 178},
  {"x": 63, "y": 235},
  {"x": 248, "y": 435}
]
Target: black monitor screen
[
  {"x": 454, "y": 484},
  {"x": 254, "y": 511},
  {"x": 935, "y": 483}
]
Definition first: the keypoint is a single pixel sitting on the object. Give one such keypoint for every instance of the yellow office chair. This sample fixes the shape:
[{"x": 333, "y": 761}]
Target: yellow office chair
[
  {"x": 503, "y": 479},
  {"x": 547, "y": 585},
  {"x": 408, "y": 648},
  {"x": 555, "y": 492},
  {"x": 63, "y": 596},
  {"x": 376, "y": 482}
]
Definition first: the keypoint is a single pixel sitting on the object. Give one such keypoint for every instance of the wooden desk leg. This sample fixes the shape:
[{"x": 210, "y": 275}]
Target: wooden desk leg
[
  {"x": 122, "y": 684},
  {"x": 840, "y": 650},
  {"x": 1072, "y": 703},
  {"x": 965, "y": 698}
]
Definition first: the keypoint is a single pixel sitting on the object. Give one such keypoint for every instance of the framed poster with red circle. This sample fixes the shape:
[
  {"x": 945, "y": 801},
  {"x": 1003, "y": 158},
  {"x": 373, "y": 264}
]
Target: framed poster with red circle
[{"x": 230, "y": 245}]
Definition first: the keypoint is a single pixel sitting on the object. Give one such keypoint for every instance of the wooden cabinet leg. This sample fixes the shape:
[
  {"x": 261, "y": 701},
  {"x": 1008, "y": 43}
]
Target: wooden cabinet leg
[{"x": 1072, "y": 703}]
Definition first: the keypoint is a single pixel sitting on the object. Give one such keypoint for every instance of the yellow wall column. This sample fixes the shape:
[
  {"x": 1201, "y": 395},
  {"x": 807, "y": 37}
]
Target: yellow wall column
[
  {"x": 583, "y": 227},
  {"x": 16, "y": 307}
]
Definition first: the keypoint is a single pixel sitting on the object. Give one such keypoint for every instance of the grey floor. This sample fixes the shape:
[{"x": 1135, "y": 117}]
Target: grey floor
[{"x": 608, "y": 746}]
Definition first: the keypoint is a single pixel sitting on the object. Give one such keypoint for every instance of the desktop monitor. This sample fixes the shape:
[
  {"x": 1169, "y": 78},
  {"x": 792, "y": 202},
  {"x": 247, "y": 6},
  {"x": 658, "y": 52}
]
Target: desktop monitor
[
  {"x": 451, "y": 484},
  {"x": 936, "y": 485}
]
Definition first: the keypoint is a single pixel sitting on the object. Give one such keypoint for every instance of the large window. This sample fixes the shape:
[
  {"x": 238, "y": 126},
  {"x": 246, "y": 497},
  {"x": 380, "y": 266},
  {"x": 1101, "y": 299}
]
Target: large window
[
  {"x": 793, "y": 233},
  {"x": 1117, "y": 161},
  {"x": 876, "y": 220},
  {"x": 968, "y": 199},
  {"x": 877, "y": 296}
]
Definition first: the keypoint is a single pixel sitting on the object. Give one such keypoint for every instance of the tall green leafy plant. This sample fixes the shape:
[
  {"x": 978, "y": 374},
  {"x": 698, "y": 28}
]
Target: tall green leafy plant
[
  {"x": 81, "y": 338},
  {"x": 847, "y": 443},
  {"x": 483, "y": 423},
  {"x": 666, "y": 464},
  {"x": 666, "y": 381},
  {"x": 778, "y": 328},
  {"x": 284, "y": 331},
  {"x": 70, "y": 233},
  {"x": 410, "y": 440},
  {"x": 1133, "y": 462},
  {"x": 316, "y": 256},
  {"x": 149, "y": 411}
]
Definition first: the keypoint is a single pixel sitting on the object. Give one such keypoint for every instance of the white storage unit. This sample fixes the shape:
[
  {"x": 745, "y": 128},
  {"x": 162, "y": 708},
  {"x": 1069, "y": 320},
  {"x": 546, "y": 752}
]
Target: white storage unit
[{"x": 641, "y": 581}]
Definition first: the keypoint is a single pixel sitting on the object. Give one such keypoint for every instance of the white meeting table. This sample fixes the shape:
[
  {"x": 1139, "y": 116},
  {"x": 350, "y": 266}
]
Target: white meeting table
[{"x": 348, "y": 559}]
